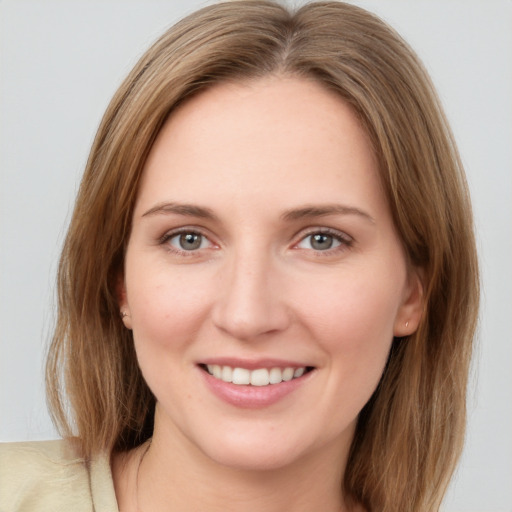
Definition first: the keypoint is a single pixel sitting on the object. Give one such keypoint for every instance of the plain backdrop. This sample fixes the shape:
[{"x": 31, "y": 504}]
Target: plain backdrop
[{"x": 61, "y": 61}]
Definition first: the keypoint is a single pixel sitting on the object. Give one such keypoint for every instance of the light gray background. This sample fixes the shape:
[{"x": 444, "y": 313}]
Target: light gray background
[{"x": 60, "y": 63}]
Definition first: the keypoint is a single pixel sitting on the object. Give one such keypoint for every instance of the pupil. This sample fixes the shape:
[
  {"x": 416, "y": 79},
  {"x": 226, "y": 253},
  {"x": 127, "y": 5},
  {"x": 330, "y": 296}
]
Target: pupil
[
  {"x": 321, "y": 242},
  {"x": 190, "y": 241}
]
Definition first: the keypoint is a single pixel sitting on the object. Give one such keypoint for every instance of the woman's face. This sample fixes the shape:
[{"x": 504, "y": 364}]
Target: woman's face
[{"x": 263, "y": 250}]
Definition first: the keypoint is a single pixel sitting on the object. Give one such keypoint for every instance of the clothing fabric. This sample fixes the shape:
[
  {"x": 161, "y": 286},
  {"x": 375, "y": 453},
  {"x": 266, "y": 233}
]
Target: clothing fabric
[{"x": 49, "y": 476}]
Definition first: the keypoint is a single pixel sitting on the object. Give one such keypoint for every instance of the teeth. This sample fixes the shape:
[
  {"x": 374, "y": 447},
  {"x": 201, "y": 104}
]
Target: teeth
[
  {"x": 299, "y": 372},
  {"x": 241, "y": 376},
  {"x": 259, "y": 377},
  {"x": 226, "y": 374},
  {"x": 288, "y": 374},
  {"x": 216, "y": 371},
  {"x": 276, "y": 376}
]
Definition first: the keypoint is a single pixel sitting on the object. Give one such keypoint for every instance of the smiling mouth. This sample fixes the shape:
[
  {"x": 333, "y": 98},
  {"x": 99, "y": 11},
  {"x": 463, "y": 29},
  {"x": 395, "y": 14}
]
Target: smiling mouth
[{"x": 258, "y": 377}]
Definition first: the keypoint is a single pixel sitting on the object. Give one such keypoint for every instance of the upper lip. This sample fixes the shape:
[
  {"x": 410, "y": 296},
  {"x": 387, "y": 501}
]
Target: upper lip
[{"x": 253, "y": 364}]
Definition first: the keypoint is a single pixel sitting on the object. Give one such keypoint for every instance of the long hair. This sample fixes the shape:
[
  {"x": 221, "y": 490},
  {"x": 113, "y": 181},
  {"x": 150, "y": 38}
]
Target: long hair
[{"x": 410, "y": 434}]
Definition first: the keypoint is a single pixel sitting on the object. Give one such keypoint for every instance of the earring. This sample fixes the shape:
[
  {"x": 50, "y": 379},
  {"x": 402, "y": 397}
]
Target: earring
[
  {"x": 123, "y": 314},
  {"x": 406, "y": 324}
]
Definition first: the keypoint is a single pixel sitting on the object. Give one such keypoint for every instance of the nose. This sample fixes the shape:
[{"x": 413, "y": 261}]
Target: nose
[{"x": 250, "y": 301}]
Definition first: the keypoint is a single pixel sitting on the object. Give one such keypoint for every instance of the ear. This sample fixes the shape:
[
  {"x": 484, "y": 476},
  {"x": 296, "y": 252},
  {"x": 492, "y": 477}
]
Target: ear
[
  {"x": 409, "y": 314},
  {"x": 122, "y": 299}
]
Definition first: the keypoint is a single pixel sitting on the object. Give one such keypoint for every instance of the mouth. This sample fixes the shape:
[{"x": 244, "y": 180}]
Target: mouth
[{"x": 259, "y": 377}]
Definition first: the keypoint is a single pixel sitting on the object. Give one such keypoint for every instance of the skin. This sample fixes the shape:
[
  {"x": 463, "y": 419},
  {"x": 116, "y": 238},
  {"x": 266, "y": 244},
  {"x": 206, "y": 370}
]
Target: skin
[{"x": 257, "y": 156}]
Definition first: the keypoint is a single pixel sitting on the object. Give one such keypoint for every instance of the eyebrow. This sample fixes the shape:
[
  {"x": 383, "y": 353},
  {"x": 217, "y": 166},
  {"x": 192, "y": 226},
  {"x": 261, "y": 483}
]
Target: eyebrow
[
  {"x": 314, "y": 211},
  {"x": 188, "y": 210},
  {"x": 305, "y": 212}
]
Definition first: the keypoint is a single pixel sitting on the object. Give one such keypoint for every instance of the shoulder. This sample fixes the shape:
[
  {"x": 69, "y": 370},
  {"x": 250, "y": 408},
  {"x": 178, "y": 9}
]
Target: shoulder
[{"x": 45, "y": 476}]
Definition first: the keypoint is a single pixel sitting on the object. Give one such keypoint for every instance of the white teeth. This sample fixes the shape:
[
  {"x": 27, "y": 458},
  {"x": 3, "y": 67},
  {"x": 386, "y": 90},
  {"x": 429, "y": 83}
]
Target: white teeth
[
  {"x": 227, "y": 374},
  {"x": 217, "y": 371},
  {"x": 288, "y": 374},
  {"x": 258, "y": 377},
  {"x": 299, "y": 372},
  {"x": 276, "y": 376},
  {"x": 241, "y": 376}
]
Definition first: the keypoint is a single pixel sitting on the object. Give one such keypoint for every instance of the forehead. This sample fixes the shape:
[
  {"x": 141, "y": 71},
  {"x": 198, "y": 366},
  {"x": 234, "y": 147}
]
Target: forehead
[{"x": 277, "y": 138}]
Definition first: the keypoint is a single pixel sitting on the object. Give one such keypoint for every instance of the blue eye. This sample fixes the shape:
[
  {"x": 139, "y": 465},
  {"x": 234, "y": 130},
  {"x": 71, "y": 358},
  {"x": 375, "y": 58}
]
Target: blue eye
[
  {"x": 323, "y": 241},
  {"x": 189, "y": 241}
]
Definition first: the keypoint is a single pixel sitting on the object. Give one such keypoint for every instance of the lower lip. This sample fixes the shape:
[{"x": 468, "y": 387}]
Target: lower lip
[{"x": 253, "y": 397}]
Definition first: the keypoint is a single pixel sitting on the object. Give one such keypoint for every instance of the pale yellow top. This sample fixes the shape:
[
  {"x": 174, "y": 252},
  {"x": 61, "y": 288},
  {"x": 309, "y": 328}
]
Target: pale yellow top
[{"x": 48, "y": 476}]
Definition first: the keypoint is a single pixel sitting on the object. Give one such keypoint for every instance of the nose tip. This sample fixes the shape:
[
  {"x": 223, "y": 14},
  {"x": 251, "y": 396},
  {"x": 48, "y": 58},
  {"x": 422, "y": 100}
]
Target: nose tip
[{"x": 250, "y": 304}]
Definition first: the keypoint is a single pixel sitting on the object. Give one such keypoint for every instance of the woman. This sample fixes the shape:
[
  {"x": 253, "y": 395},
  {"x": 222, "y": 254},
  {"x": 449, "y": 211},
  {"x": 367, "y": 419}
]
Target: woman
[{"x": 268, "y": 291}]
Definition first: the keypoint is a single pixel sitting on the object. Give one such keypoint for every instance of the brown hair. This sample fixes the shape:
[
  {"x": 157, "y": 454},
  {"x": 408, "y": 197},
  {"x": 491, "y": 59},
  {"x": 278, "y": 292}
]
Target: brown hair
[{"x": 410, "y": 434}]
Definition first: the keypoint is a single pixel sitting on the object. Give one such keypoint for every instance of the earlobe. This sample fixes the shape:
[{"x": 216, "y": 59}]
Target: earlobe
[
  {"x": 124, "y": 309},
  {"x": 410, "y": 312},
  {"x": 125, "y": 317}
]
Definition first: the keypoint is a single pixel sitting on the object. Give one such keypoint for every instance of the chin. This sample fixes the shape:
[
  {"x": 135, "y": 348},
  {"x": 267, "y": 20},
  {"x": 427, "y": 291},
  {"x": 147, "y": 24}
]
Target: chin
[
  {"x": 255, "y": 458},
  {"x": 270, "y": 450}
]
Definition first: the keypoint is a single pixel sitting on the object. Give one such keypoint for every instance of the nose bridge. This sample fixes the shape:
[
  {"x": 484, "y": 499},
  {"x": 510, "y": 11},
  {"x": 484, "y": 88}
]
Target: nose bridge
[{"x": 249, "y": 302}]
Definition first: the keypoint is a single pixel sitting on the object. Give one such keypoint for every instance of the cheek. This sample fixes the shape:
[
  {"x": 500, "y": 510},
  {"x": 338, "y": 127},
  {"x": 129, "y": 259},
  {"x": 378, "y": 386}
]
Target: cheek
[
  {"x": 352, "y": 309},
  {"x": 166, "y": 307},
  {"x": 353, "y": 321},
  {"x": 353, "y": 326}
]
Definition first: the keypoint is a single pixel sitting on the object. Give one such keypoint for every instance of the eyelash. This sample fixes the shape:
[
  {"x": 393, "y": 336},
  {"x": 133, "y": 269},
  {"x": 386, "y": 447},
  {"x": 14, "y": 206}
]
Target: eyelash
[
  {"x": 344, "y": 241},
  {"x": 165, "y": 239}
]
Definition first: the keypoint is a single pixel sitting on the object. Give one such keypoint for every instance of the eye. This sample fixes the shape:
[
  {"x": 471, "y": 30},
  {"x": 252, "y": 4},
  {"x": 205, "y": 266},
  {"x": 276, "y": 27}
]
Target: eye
[
  {"x": 188, "y": 241},
  {"x": 324, "y": 241}
]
